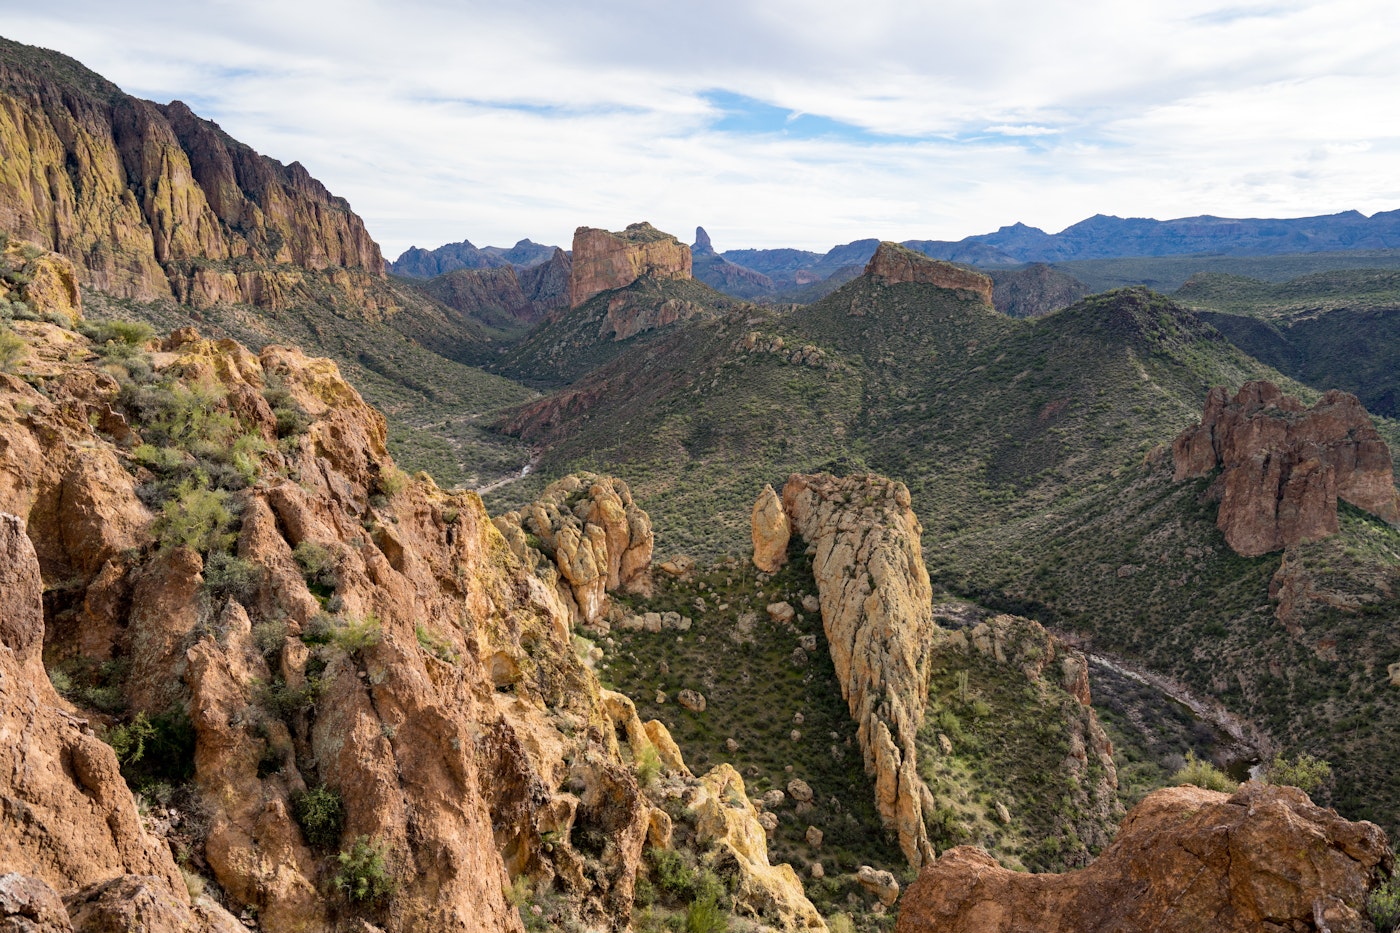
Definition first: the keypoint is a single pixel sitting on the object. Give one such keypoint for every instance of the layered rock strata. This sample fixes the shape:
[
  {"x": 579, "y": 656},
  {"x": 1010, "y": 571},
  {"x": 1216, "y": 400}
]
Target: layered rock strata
[
  {"x": 603, "y": 261},
  {"x": 876, "y": 605},
  {"x": 151, "y": 201},
  {"x": 893, "y": 264},
  {"x": 1283, "y": 466},
  {"x": 1185, "y": 860}
]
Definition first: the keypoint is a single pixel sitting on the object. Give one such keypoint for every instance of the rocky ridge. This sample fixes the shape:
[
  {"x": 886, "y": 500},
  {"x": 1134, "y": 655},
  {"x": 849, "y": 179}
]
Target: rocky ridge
[
  {"x": 505, "y": 296},
  {"x": 378, "y": 641},
  {"x": 1186, "y": 859},
  {"x": 603, "y": 261},
  {"x": 894, "y": 264},
  {"x": 140, "y": 196},
  {"x": 1283, "y": 466},
  {"x": 876, "y": 605}
]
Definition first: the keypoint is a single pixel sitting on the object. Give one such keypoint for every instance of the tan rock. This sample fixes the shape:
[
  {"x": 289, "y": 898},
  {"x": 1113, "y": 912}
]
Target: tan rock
[
  {"x": 880, "y": 883},
  {"x": 727, "y": 821},
  {"x": 1394, "y": 672},
  {"x": 894, "y": 264},
  {"x": 1283, "y": 467},
  {"x": 814, "y": 837},
  {"x": 1185, "y": 860},
  {"x": 817, "y": 871},
  {"x": 771, "y": 531},
  {"x": 781, "y": 612},
  {"x": 666, "y": 747},
  {"x": 603, "y": 261},
  {"x": 692, "y": 700},
  {"x": 877, "y": 613},
  {"x": 799, "y": 790},
  {"x": 28, "y": 905}
]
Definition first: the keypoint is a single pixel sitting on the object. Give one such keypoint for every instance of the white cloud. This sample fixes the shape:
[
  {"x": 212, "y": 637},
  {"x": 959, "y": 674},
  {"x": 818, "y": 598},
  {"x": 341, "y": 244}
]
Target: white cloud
[{"x": 440, "y": 121}]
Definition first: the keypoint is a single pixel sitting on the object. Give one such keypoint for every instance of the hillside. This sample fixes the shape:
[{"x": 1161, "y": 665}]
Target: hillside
[
  {"x": 168, "y": 220},
  {"x": 1028, "y": 448},
  {"x": 1330, "y": 329},
  {"x": 418, "y": 263}
]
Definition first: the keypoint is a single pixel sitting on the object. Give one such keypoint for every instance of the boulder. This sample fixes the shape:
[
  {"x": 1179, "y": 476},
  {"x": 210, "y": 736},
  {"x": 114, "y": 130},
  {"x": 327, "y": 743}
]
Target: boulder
[
  {"x": 692, "y": 700},
  {"x": 771, "y": 531},
  {"x": 880, "y": 883},
  {"x": 1185, "y": 860}
]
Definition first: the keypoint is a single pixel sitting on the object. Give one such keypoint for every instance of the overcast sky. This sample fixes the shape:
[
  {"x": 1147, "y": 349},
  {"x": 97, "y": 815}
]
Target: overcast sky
[{"x": 778, "y": 123}]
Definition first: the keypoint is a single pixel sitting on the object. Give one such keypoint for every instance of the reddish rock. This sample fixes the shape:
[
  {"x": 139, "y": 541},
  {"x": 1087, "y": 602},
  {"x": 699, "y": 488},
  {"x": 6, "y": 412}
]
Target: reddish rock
[
  {"x": 1283, "y": 466},
  {"x": 893, "y": 264},
  {"x": 603, "y": 261},
  {"x": 1185, "y": 860}
]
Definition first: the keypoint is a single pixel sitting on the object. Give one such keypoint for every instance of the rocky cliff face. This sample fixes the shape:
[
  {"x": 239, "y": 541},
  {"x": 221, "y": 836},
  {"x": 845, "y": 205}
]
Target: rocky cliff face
[
  {"x": 1034, "y": 291},
  {"x": 893, "y": 264},
  {"x": 503, "y": 297},
  {"x": 1185, "y": 860},
  {"x": 876, "y": 605},
  {"x": 150, "y": 201},
  {"x": 216, "y": 542},
  {"x": 603, "y": 261},
  {"x": 721, "y": 274},
  {"x": 1284, "y": 466}
]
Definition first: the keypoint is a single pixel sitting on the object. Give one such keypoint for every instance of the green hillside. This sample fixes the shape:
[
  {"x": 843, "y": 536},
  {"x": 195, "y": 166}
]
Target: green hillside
[{"x": 1038, "y": 456}]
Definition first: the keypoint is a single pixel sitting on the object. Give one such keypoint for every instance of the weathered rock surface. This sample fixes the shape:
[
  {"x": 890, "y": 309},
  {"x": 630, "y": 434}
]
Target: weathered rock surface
[
  {"x": 876, "y": 605},
  {"x": 771, "y": 531},
  {"x": 893, "y": 264},
  {"x": 726, "y": 820},
  {"x": 1284, "y": 466},
  {"x": 1185, "y": 860},
  {"x": 603, "y": 261},
  {"x": 594, "y": 536},
  {"x": 150, "y": 201}
]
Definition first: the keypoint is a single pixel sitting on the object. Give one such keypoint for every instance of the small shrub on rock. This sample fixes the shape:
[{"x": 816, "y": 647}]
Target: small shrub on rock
[
  {"x": 320, "y": 814},
  {"x": 363, "y": 874},
  {"x": 1204, "y": 774}
]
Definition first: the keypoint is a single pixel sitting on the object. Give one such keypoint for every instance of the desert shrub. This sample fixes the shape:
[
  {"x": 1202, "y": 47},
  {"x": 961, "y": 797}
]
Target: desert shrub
[
  {"x": 392, "y": 481},
  {"x": 1306, "y": 772},
  {"x": 12, "y": 350},
  {"x": 317, "y": 563},
  {"x": 840, "y": 923},
  {"x": 285, "y": 701},
  {"x": 434, "y": 644},
  {"x": 155, "y": 750},
  {"x": 197, "y": 518},
  {"x": 1383, "y": 906},
  {"x": 704, "y": 916},
  {"x": 648, "y": 766},
  {"x": 1204, "y": 774},
  {"x": 320, "y": 814},
  {"x": 229, "y": 577},
  {"x": 116, "y": 338},
  {"x": 355, "y": 634},
  {"x": 363, "y": 874},
  {"x": 128, "y": 739},
  {"x": 268, "y": 637},
  {"x": 673, "y": 877},
  {"x": 292, "y": 419}
]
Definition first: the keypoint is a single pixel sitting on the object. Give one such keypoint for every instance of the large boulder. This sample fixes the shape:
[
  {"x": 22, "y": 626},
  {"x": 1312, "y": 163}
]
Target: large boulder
[
  {"x": 771, "y": 531},
  {"x": 1185, "y": 860}
]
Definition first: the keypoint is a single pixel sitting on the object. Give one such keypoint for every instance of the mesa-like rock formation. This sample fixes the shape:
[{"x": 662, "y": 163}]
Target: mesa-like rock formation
[
  {"x": 603, "y": 261},
  {"x": 151, "y": 201},
  {"x": 1185, "y": 860},
  {"x": 1283, "y": 466},
  {"x": 876, "y": 605},
  {"x": 894, "y": 264}
]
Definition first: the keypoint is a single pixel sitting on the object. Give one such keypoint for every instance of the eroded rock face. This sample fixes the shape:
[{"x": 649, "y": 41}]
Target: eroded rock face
[
  {"x": 1284, "y": 466},
  {"x": 893, "y": 264},
  {"x": 603, "y": 261},
  {"x": 876, "y": 605},
  {"x": 591, "y": 532},
  {"x": 771, "y": 531},
  {"x": 1185, "y": 860},
  {"x": 133, "y": 192}
]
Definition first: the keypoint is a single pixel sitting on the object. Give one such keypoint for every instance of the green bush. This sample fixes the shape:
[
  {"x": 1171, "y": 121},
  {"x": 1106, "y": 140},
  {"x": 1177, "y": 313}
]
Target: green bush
[
  {"x": 1306, "y": 772},
  {"x": 355, "y": 635},
  {"x": 1383, "y": 906},
  {"x": 648, "y": 766},
  {"x": 12, "y": 350},
  {"x": 363, "y": 874},
  {"x": 320, "y": 814},
  {"x": 392, "y": 481},
  {"x": 317, "y": 563},
  {"x": 155, "y": 750},
  {"x": 117, "y": 333},
  {"x": 1204, "y": 774},
  {"x": 128, "y": 739},
  {"x": 229, "y": 577},
  {"x": 197, "y": 518},
  {"x": 705, "y": 916}
]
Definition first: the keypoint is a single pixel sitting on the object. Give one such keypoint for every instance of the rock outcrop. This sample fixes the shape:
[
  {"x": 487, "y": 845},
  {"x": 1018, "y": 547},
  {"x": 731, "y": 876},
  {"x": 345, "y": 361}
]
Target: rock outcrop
[
  {"x": 876, "y": 604},
  {"x": 1283, "y": 466},
  {"x": 588, "y": 530},
  {"x": 770, "y": 530},
  {"x": 348, "y": 631},
  {"x": 151, "y": 201},
  {"x": 719, "y": 273},
  {"x": 505, "y": 296},
  {"x": 1185, "y": 860},
  {"x": 603, "y": 261},
  {"x": 893, "y": 264}
]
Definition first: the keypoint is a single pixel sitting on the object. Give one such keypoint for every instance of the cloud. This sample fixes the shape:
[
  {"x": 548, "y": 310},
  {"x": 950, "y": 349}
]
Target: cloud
[{"x": 783, "y": 123}]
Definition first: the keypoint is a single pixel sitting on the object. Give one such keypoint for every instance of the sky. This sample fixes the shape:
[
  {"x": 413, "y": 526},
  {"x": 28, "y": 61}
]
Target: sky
[{"x": 803, "y": 124}]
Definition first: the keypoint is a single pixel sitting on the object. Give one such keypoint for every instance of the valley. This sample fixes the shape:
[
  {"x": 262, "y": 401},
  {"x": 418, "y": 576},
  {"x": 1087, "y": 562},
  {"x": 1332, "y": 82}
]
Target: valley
[{"x": 645, "y": 587}]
